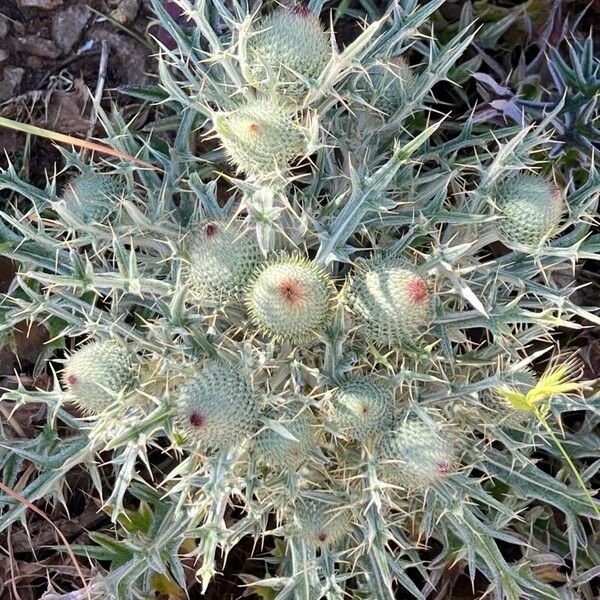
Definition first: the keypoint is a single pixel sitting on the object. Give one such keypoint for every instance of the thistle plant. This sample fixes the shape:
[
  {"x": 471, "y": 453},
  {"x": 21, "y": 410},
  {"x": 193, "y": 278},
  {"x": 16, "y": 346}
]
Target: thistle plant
[
  {"x": 220, "y": 259},
  {"x": 289, "y": 446},
  {"x": 96, "y": 373},
  {"x": 363, "y": 408},
  {"x": 288, "y": 51},
  {"x": 290, "y": 299},
  {"x": 91, "y": 196},
  {"x": 261, "y": 136},
  {"x": 530, "y": 208},
  {"x": 321, "y": 342},
  {"x": 216, "y": 407},
  {"x": 390, "y": 302},
  {"x": 565, "y": 90}
]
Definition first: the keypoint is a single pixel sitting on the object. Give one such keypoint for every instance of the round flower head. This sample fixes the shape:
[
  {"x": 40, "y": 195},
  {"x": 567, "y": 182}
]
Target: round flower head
[
  {"x": 321, "y": 523},
  {"x": 96, "y": 373},
  {"x": 288, "y": 49},
  {"x": 385, "y": 84},
  {"x": 363, "y": 407},
  {"x": 92, "y": 196},
  {"x": 216, "y": 407},
  {"x": 530, "y": 208},
  {"x": 290, "y": 299},
  {"x": 221, "y": 258},
  {"x": 281, "y": 452},
  {"x": 414, "y": 455},
  {"x": 390, "y": 302},
  {"x": 260, "y": 138}
]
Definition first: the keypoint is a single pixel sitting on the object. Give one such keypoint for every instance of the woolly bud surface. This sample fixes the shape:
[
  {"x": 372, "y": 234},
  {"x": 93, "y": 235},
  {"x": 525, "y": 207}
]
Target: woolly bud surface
[
  {"x": 289, "y": 48},
  {"x": 221, "y": 259},
  {"x": 385, "y": 84},
  {"x": 290, "y": 299},
  {"x": 390, "y": 301},
  {"x": 530, "y": 208},
  {"x": 216, "y": 407},
  {"x": 281, "y": 452},
  {"x": 414, "y": 455},
  {"x": 96, "y": 373},
  {"x": 92, "y": 196},
  {"x": 363, "y": 407},
  {"x": 261, "y": 138},
  {"x": 321, "y": 523}
]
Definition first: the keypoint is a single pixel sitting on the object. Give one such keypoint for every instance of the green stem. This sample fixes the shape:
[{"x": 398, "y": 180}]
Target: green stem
[{"x": 557, "y": 442}]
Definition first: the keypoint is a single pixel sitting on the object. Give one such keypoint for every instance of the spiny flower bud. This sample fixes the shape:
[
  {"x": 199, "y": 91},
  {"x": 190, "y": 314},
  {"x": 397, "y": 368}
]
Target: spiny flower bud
[
  {"x": 96, "y": 373},
  {"x": 530, "y": 208},
  {"x": 216, "y": 407},
  {"x": 321, "y": 523},
  {"x": 363, "y": 407},
  {"x": 261, "y": 137},
  {"x": 390, "y": 301},
  {"x": 385, "y": 84},
  {"x": 414, "y": 455},
  {"x": 290, "y": 299},
  {"x": 275, "y": 450},
  {"x": 92, "y": 196},
  {"x": 221, "y": 258},
  {"x": 289, "y": 48}
]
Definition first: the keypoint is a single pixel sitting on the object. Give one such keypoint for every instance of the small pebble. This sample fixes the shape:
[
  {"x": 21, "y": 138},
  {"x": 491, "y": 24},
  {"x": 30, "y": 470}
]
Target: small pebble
[
  {"x": 11, "y": 80},
  {"x": 32, "y": 44},
  {"x": 4, "y": 24},
  {"x": 43, "y": 4}
]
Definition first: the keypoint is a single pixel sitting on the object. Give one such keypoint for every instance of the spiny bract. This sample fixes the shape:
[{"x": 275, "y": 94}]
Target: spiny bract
[
  {"x": 92, "y": 196},
  {"x": 289, "y": 49},
  {"x": 275, "y": 450},
  {"x": 390, "y": 301},
  {"x": 96, "y": 373},
  {"x": 216, "y": 407},
  {"x": 415, "y": 455},
  {"x": 363, "y": 407},
  {"x": 290, "y": 299},
  {"x": 530, "y": 208},
  {"x": 321, "y": 523},
  {"x": 261, "y": 137},
  {"x": 221, "y": 258},
  {"x": 385, "y": 84}
]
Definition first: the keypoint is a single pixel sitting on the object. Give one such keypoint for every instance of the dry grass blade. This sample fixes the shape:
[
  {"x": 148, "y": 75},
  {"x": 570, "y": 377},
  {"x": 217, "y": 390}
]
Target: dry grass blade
[
  {"x": 64, "y": 540},
  {"x": 68, "y": 139}
]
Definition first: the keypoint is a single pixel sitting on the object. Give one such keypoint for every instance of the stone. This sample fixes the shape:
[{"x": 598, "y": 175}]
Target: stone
[
  {"x": 3, "y": 56},
  {"x": 68, "y": 25},
  {"x": 43, "y": 4},
  {"x": 4, "y": 24},
  {"x": 32, "y": 44},
  {"x": 126, "y": 12},
  {"x": 10, "y": 81}
]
